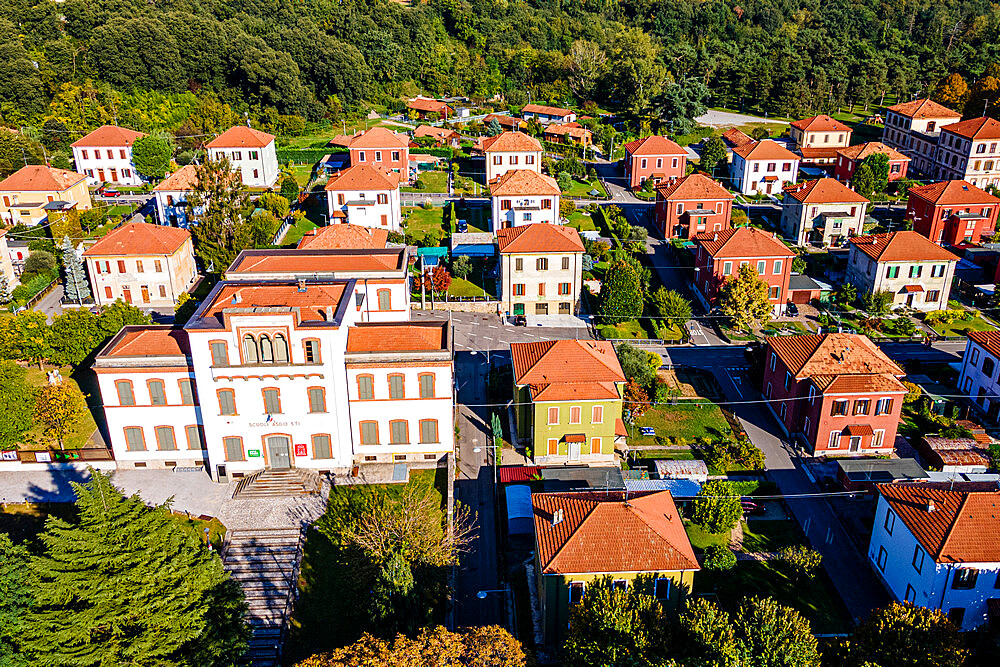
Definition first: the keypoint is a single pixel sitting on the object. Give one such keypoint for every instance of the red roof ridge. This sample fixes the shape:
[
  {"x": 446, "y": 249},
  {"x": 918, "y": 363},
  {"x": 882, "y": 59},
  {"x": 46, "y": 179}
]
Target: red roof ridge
[
  {"x": 824, "y": 120},
  {"x": 654, "y": 144},
  {"x": 524, "y": 182},
  {"x": 109, "y": 135},
  {"x": 539, "y": 237},
  {"x": 768, "y": 149},
  {"x": 511, "y": 141},
  {"x": 241, "y": 136}
]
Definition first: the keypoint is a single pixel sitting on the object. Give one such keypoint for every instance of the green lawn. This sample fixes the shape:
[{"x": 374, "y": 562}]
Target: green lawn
[
  {"x": 817, "y": 599},
  {"x": 302, "y": 173},
  {"x": 579, "y": 189},
  {"x": 630, "y": 329},
  {"x": 682, "y": 421},
  {"x": 336, "y": 577},
  {"x": 81, "y": 433},
  {"x": 701, "y": 539},
  {"x": 434, "y": 181},
  {"x": 770, "y": 535},
  {"x": 582, "y": 222},
  {"x": 959, "y": 327},
  {"x": 297, "y": 231},
  {"x": 462, "y": 287},
  {"x": 420, "y": 221}
]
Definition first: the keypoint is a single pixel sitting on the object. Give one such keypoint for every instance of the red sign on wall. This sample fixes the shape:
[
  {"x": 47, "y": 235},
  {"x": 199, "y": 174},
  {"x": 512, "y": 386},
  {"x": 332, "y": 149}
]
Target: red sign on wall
[{"x": 300, "y": 449}]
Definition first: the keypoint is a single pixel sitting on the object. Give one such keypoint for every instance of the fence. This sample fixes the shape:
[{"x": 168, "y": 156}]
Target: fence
[
  {"x": 280, "y": 234},
  {"x": 40, "y": 295},
  {"x": 12, "y": 460}
]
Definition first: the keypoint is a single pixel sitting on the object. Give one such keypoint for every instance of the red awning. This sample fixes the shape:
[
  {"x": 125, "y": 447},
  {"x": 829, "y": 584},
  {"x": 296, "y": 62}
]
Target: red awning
[
  {"x": 509, "y": 474},
  {"x": 576, "y": 437},
  {"x": 769, "y": 179},
  {"x": 913, "y": 288},
  {"x": 858, "y": 429}
]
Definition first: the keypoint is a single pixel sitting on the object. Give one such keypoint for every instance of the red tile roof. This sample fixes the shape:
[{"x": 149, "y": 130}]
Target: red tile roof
[
  {"x": 139, "y": 238},
  {"x": 312, "y": 303},
  {"x": 654, "y": 145},
  {"x": 962, "y": 527},
  {"x": 861, "y": 151},
  {"x": 694, "y": 186},
  {"x": 832, "y": 355},
  {"x": 908, "y": 246},
  {"x": 924, "y": 108},
  {"x": 539, "y": 238},
  {"x": 344, "y": 236},
  {"x": 523, "y": 182},
  {"x": 599, "y": 532},
  {"x": 149, "y": 341},
  {"x": 821, "y": 123},
  {"x": 39, "y": 178},
  {"x": 241, "y": 136},
  {"x": 573, "y": 130},
  {"x": 510, "y": 474},
  {"x": 857, "y": 384},
  {"x": 505, "y": 121},
  {"x": 362, "y": 177},
  {"x": 548, "y": 111},
  {"x": 511, "y": 142},
  {"x": 953, "y": 193},
  {"x": 398, "y": 337},
  {"x": 110, "y": 136},
  {"x": 439, "y": 133},
  {"x": 975, "y": 128},
  {"x": 824, "y": 191},
  {"x": 558, "y": 370},
  {"x": 184, "y": 179},
  {"x": 765, "y": 150},
  {"x": 737, "y": 137},
  {"x": 989, "y": 340},
  {"x": 379, "y": 137},
  {"x": 428, "y": 104},
  {"x": 742, "y": 242},
  {"x": 318, "y": 260}
]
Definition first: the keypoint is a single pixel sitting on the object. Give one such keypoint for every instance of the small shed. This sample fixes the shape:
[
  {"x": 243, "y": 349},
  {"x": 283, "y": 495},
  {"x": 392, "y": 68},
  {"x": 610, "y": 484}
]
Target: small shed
[
  {"x": 432, "y": 256},
  {"x": 803, "y": 289},
  {"x": 864, "y": 474},
  {"x": 954, "y": 454},
  {"x": 520, "y": 517},
  {"x": 582, "y": 478},
  {"x": 473, "y": 244},
  {"x": 695, "y": 470},
  {"x": 680, "y": 489}
]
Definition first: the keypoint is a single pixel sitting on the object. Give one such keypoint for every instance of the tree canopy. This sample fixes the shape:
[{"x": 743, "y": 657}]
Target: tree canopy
[{"x": 744, "y": 298}]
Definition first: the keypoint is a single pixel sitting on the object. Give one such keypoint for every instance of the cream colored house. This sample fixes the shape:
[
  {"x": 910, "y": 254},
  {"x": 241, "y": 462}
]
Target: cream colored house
[
  {"x": 511, "y": 150},
  {"x": 146, "y": 265},
  {"x": 27, "y": 195},
  {"x": 541, "y": 269},
  {"x": 916, "y": 270},
  {"x": 822, "y": 212},
  {"x": 6, "y": 266}
]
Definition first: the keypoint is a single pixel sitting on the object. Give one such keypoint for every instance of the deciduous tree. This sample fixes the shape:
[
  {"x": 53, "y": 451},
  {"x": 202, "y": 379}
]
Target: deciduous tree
[
  {"x": 17, "y": 405},
  {"x": 59, "y": 408},
  {"x": 717, "y": 508},
  {"x": 461, "y": 266},
  {"x": 26, "y": 336},
  {"x": 904, "y": 635},
  {"x": 151, "y": 155},
  {"x": 712, "y": 155},
  {"x": 744, "y": 298},
  {"x": 952, "y": 91},
  {"x": 671, "y": 306},
  {"x": 879, "y": 303},
  {"x": 636, "y": 401},
  {"x": 217, "y": 203},
  {"x": 74, "y": 335},
  {"x": 773, "y": 635}
]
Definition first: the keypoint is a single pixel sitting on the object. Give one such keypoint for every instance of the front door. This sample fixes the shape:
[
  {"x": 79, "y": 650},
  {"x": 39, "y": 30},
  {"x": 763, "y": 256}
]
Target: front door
[
  {"x": 769, "y": 186},
  {"x": 100, "y": 175},
  {"x": 145, "y": 294},
  {"x": 854, "y": 444},
  {"x": 574, "y": 451},
  {"x": 127, "y": 294},
  {"x": 279, "y": 452}
]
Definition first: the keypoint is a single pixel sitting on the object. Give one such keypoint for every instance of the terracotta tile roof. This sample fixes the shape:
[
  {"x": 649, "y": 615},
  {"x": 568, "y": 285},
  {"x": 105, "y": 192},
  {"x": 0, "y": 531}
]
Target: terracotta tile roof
[
  {"x": 824, "y": 191},
  {"x": 654, "y": 145},
  {"x": 975, "y": 128},
  {"x": 342, "y": 140},
  {"x": 427, "y": 104},
  {"x": 344, "y": 236},
  {"x": 523, "y": 182},
  {"x": 318, "y": 260},
  {"x": 989, "y": 340},
  {"x": 510, "y": 474},
  {"x": 379, "y": 137},
  {"x": 694, "y": 186},
  {"x": 857, "y": 384},
  {"x": 601, "y": 533},
  {"x": 312, "y": 303},
  {"x": 813, "y": 153},
  {"x": 398, "y": 337},
  {"x": 184, "y": 179},
  {"x": 953, "y": 193},
  {"x": 963, "y": 526},
  {"x": 539, "y": 237},
  {"x": 858, "y": 429},
  {"x": 765, "y": 150},
  {"x": 440, "y": 133},
  {"x": 735, "y": 137},
  {"x": 821, "y": 123},
  {"x": 505, "y": 121},
  {"x": 620, "y": 427},
  {"x": 511, "y": 141},
  {"x": 548, "y": 111},
  {"x": 241, "y": 136},
  {"x": 567, "y": 129},
  {"x": 139, "y": 238},
  {"x": 924, "y": 108},
  {"x": 908, "y": 246},
  {"x": 593, "y": 365},
  {"x": 832, "y": 354},
  {"x": 149, "y": 341},
  {"x": 861, "y": 151},
  {"x": 39, "y": 178},
  {"x": 742, "y": 242},
  {"x": 575, "y": 391},
  {"x": 110, "y": 136},
  {"x": 362, "y": 177}
]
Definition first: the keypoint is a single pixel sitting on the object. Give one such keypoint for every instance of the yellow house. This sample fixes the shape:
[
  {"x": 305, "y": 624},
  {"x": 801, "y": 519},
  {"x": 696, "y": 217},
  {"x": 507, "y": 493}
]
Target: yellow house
[
  {"x": 581, "y": 537},
  {"x": 27, "y": 195}
]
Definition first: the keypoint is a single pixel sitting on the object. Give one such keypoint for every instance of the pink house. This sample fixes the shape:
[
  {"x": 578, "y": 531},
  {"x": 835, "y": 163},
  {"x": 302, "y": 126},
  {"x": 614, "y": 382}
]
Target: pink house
[
  {"x": 653, "y": 158},
  {"x": 850, "y": 158}
]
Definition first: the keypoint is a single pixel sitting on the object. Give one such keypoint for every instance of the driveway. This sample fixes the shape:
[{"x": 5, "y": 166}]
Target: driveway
[{"x": 715, "y": 118}]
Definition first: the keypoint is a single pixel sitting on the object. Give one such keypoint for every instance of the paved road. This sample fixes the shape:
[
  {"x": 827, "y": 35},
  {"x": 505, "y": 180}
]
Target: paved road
[{"x": 51, "y": 303}]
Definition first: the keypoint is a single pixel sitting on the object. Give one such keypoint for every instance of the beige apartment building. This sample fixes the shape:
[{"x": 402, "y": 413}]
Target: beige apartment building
[
  {"x": 818, "y": 138},
  {"x": 918, "y": 272},
  {"x": 27, "y": 195},
  {"x": 541, "y": 269}
]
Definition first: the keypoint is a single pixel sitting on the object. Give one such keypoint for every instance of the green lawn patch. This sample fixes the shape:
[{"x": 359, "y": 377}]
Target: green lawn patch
[
  {"x": 770, "y": 535},
  {"x": 959, "y": 327},
  {"x": 817, "y": 599},
  {"x": 701, "y": 539},
  {"x": 81, "y": 433},
  {"x": 579, "y": 189},
  {"x": 462, "y": 287},
  {"x": 420, "y": 221},
  {"x": 690, "y": 422},
  {"x": 630, "y": 329},
  {"x": 297, "y": 231},
  {"x": 302, "y": 173},
  {"x": 433, "y": 181},
  {"x": 581, "y": 221},
  {"x": 336, "y": 577}
]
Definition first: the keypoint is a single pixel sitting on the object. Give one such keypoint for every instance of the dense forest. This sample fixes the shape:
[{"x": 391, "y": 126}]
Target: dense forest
[{"x": 191, "y": 67}]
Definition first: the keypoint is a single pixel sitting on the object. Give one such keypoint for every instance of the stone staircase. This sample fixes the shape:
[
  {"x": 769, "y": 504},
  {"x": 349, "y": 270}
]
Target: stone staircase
[
  {"x": 279, "y": 483},
  {"x": 265, "y": 562}
]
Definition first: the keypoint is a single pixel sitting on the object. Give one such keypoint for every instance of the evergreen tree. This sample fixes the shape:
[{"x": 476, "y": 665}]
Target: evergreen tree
[
  {"x": 151, "y": 155},
  {"x": 221, "y": 232},
  {"x": 621, "y": 294},
  {"x": 124, "y": 584},
  {"x": 493, "y": 129},
  {"x": 713, "y": 155},
  {"x": 77, "y": 287},
  {"x": 15, "y": 598}
]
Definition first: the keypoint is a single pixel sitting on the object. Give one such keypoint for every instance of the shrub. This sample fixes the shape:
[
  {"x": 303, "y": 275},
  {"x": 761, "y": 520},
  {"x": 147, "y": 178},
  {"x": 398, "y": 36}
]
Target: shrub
[
  {"x": 427, "y": 205},
  {"x": 608, "y": 332},
  {"x": 801, "y": 560},
  {"x": 719, "y": 557}
]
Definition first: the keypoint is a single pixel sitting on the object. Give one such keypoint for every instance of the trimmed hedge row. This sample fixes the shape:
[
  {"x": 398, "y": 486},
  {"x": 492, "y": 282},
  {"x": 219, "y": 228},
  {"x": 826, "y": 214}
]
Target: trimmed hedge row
[{"x": 306, "y": 155}]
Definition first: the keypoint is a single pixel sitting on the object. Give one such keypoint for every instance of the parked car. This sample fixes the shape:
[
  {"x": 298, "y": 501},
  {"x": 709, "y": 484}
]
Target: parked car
[
  {"x": 791, "y": 309},
  {"x": 647, "y": 430},
  {"x": 520, "y": 321},
  {"x": 463, "y": 226},
  {"x": 107, "y": 191},
  {"x": 753, "y": 509}
]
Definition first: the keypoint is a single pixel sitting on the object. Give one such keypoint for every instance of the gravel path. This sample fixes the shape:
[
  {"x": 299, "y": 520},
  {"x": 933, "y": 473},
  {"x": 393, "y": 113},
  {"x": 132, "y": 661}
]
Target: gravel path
[{"x": 715, "y": 118}]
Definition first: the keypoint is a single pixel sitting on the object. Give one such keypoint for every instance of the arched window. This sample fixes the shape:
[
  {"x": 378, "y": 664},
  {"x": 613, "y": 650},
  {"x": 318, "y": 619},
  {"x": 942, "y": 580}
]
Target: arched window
[
  {"x": 280, "y": 349},
  {"x": 249, "y": 349},
  {"x": 266, "y": 351}
]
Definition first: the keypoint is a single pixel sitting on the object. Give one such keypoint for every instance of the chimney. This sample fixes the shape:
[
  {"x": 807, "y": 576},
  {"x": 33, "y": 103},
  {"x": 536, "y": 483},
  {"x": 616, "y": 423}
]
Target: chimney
[
  {"x": 236, "y": 297},
  {"x": 715, "y": 237},
  {"x": 557, "y": 517},
  {"x": 329, "y": 313},
  {"x": 930, "y": 505},
  {"x": 302, "y": 285}
]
